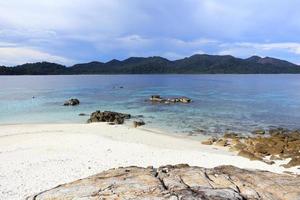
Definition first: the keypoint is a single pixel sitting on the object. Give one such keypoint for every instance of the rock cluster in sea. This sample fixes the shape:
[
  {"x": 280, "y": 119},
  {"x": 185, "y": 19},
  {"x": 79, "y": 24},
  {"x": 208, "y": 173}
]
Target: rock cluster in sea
[
  {"x": 72, "y": 102},
  {"x": 159, "y": 99},
  {"x": 277, "y": 144},
  {"x": 179, "y": 182},
  {"x": 108, "y": 116},
  {"x": 138, "y": 123}
]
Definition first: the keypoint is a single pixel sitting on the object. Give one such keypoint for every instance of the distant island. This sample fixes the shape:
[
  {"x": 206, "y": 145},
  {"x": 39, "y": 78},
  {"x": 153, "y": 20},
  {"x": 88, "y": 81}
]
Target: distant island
[{"x": 196, "y": 64}]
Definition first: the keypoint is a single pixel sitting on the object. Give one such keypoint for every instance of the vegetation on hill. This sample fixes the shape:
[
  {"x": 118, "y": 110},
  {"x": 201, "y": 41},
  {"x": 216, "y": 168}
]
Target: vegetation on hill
[{"x": 196, "y": 64}]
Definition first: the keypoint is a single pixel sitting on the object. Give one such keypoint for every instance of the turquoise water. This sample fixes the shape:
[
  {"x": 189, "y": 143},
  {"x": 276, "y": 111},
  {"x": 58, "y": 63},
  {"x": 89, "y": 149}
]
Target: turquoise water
[{"x": 220, "y": 102}]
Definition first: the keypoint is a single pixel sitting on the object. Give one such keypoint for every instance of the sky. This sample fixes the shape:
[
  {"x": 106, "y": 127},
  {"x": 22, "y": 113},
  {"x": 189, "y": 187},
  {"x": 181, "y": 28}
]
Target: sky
[{"x": 77, "y": 31}]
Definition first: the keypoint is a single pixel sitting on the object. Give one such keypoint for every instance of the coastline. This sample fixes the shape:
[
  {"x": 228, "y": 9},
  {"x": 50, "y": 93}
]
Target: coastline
[{"x": 36, "y": 157}]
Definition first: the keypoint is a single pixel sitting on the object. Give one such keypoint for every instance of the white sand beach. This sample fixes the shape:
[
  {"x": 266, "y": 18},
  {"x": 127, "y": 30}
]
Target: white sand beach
[{"x": 36, "y": 157}]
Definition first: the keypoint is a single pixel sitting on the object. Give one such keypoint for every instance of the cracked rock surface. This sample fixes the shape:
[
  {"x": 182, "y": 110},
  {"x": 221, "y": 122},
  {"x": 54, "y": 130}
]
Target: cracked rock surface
[{"x": 179, "y": 182}]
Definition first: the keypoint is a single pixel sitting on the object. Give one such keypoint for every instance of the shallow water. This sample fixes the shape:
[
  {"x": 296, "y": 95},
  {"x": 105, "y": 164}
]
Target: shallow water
[{"x": 220, "y": 102}]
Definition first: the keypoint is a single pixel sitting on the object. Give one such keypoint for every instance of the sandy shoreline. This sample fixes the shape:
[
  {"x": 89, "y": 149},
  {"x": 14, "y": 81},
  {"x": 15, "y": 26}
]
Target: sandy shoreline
[{"x": 36, "y": 157}]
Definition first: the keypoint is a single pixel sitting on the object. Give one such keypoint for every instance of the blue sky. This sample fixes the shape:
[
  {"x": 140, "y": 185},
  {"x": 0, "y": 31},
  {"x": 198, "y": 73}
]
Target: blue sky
[{"x": 69, "y": 32}]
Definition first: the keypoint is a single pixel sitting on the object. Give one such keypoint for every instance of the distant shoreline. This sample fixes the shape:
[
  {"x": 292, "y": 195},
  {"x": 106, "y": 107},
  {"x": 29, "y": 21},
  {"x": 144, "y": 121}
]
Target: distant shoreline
[{"x": 196, "y": 64}]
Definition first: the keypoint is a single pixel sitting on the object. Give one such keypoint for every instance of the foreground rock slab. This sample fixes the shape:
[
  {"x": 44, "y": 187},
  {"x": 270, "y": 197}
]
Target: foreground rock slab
[{"x": 179, "y": 182}]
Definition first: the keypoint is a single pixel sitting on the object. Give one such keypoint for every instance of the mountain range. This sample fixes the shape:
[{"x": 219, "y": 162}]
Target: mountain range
[{"x": 196, "y": 64}]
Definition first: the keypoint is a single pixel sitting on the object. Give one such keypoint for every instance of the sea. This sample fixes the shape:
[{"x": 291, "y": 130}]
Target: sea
[{"x": 220, "y": 103}]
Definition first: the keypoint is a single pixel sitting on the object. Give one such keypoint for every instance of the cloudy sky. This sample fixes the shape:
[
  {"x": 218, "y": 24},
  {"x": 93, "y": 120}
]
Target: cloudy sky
[{"x": 72, "y": 31}]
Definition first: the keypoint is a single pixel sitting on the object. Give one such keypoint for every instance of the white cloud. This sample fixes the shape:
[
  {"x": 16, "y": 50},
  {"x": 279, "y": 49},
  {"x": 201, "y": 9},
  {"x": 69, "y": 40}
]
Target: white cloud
[
  {"x": 292, "y": 47},
  {"x": 137, "y": 45},
  {"x": 105, "y": 29},
  {"x": 133, "y": 41},
  {"x": 191, "y": 43},
  {"x": 7, "y": 44},
  {"x": 249, "y": 48},
  {"x": 11, "y": 56},
  {"x": 173, "y": 55},
  {"x": 65, "y": 16}
]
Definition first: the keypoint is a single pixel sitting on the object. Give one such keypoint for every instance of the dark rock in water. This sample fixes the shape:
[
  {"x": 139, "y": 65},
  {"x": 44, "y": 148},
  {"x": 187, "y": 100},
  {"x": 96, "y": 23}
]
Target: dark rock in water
[
  {"x": 197, "y": 132},
  {"x": 108, "y": 116},
  {"x": 138, "y": 123},
  {"x": 83, "y": 114},
  {"x": 179, "y": 182},
  {"x": 118, "y": 87},
  {"x": 185, "y": 100},
  {"x": 72, "y": 102},
  {"x": 156, "y": 98},
  {"x": 159, "y": 99}
]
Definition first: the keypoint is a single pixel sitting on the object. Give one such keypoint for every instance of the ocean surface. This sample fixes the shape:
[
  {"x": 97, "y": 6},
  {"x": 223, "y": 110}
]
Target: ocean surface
[{"x": 238, "y": 103}]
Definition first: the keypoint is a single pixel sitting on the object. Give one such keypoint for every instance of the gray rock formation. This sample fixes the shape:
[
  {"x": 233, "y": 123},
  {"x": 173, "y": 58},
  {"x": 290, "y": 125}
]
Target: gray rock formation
[
  {"x": 108, "y": 116},
  {"x": 72, "y": 102},
  {"x": 179, "y": 182},
  {"x": 138, "y": 123},
  {"x": 159, "y": 99}
]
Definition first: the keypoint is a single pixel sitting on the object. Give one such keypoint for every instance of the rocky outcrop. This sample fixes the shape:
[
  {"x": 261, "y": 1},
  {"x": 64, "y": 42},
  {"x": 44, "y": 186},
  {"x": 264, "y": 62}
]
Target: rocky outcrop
[
  {"x": 276, "y": 145},
  {"x": 72, "y": 102},
  {"x": 159, "y": 99},
  {"x": 108, "y": 116},
  {"x": 179, "y": 182}
]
